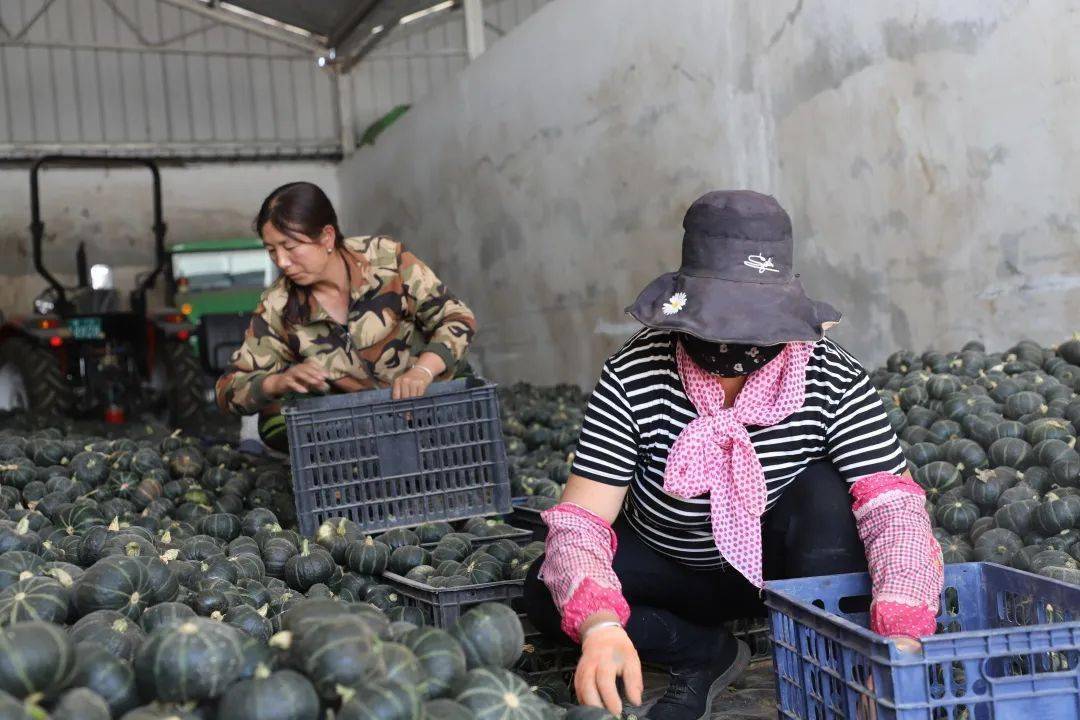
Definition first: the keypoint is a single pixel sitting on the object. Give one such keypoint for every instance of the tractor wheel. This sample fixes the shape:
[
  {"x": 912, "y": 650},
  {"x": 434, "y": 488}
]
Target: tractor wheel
[
  {"x": 185, "y": 390},
  {"x": 45, "y": 392}
]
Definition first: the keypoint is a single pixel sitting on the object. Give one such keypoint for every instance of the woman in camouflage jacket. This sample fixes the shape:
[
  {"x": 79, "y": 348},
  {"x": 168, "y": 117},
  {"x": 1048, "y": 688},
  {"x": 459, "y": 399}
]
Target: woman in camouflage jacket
[{"x": 344, "y": 316}]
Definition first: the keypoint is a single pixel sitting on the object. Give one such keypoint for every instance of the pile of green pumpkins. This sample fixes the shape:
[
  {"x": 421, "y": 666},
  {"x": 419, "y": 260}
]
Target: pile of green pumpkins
[
  {"x": 991, "y": 437},
  {"x": 157, "y": 578}
]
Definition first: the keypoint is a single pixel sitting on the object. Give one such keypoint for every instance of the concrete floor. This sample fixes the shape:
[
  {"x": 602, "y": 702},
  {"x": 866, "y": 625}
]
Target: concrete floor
[{"x": 751, "y": 697}]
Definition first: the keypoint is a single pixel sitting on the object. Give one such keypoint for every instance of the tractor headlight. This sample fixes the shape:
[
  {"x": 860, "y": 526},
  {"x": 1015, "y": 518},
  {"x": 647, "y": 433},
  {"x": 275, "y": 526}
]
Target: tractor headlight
[
  {"x": 45, "y": 303},
  {"x": 101, "y": 277}
]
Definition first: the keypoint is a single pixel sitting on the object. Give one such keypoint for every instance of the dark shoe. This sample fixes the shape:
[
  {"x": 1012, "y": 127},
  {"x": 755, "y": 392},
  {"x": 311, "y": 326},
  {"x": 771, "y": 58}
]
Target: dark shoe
[{"x": 691, "y": 690}]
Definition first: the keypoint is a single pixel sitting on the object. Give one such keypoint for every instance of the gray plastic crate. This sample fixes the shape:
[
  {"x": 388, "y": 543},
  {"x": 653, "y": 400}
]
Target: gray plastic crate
[
  {"x": 386, "y": 463},
  {"x": 443, "y": 606},
  {"x": 527, "y": 518}
]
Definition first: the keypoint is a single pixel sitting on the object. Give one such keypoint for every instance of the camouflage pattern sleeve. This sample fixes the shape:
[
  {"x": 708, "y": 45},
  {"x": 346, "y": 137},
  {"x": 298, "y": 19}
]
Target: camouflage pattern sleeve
[
  {"x": 446, "y": 322},
  {"x": 264, "y": 352}
]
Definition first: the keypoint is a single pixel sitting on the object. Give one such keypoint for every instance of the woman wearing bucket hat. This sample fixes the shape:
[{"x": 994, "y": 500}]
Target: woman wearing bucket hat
[{"x": 727, "y": 443}]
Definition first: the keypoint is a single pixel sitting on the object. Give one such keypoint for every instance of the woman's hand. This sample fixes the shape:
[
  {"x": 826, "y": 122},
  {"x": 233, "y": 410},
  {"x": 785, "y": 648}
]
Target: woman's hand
[
  {"x": 606, "y": 654},
  {"x": 301, "y": 378},
  {"x": 866, "y": 708},
  {"x": 412, "y": 383},
  {"x": 415, "y": 381}
]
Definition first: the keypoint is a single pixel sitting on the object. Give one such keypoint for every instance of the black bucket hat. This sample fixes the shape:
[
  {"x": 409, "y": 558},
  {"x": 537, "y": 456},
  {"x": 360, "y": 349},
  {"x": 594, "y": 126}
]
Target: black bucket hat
[{"x": 736, "y": 283}]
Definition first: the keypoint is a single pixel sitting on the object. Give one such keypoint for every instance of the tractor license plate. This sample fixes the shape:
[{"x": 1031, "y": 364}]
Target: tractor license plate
[{"x": 87, "y": 328}]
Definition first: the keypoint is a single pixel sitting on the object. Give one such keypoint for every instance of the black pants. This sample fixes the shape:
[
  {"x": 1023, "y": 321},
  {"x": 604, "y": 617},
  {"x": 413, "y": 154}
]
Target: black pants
[{"x": 810, "y": 531}]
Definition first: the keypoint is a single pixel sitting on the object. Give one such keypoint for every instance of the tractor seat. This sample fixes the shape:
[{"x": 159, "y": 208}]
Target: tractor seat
[{"x": 90, "y": 302}]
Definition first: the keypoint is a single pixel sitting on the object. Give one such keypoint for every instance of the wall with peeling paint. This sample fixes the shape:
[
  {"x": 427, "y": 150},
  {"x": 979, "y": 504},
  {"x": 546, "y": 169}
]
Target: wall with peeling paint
[
  {"x": 111, "y": 211},
  {"x": 927, "y": 152}
]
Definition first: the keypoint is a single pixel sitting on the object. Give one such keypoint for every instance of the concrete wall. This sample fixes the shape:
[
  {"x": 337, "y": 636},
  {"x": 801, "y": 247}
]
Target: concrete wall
[
  {"x": 927, "y": 152},
  {"x": 112, "y": 212}
]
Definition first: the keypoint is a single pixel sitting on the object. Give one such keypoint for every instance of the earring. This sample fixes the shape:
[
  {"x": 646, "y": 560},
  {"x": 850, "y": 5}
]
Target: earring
[{"x": 329, "y": 250}]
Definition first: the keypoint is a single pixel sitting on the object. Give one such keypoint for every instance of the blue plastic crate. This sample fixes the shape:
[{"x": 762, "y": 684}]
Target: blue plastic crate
[{"x": 1008, "y": 646}]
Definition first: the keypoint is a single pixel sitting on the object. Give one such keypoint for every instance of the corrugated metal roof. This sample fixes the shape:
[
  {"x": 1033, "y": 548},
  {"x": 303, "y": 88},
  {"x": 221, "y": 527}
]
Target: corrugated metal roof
[{"x": 336, "y": 20}]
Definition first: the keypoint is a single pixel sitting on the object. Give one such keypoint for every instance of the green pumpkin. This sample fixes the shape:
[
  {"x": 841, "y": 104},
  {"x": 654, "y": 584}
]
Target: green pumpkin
[
  {"x": 222, "y": 526},
  {"x": 483, "y": 568},
  {"x": 984, "y": 488},
  {"x": 958, "y": 516},
  {"x": 937, "y": 477},
  {"x": 1062, "y": 574},
  {"x": 35, "y": 658},
  {"x": 110, "y": 630},
  {"x": 17, "y": 473},
  {"x": 1054, "y": 516},
  {"x": 384, "y": 597},
  {"x": 405, "y": 558},
  {"x": 433, "y": 532},
  {"x": 940, "y": 386},
  {"x": 1053, "y": 558},
  {"x": 979, "y": 527},
  {"x": 91, "y": 468},
  {"x": 491, "y": 636},
  {"x": 401, "y": 664},
  {"x": 997, "y": 545},
  {"x": 451, "y": 548},
  {"x": 1010, "y": 452},
  {"x": 441, "y": 658},
  {"x": 282, "y": 695},
  {"x": 312, "y": 565},
  {"x": 197, "y": 659},
  {"x": 166, "y": 613},
  {"x": 112, "y": 678},
  {"x": 1017, "y": 516},
  {"x": 18, "y": 564},
  {"x": 384, "y": 701},
  {"x": 118, "y": 583},
  {"x": 34, "y": 598},
  {"x": 1065, "y": 470},
  {"x": 367, "y": 556},
  {"x": 1023, "y": 403},
  {"x": 446, "y": 709},
  {"x": 956, "y": 550},
  {"x": 1050, "y": 429},
  {"x": 186, "y": 462},
  {"x": 493, "y": 693}
]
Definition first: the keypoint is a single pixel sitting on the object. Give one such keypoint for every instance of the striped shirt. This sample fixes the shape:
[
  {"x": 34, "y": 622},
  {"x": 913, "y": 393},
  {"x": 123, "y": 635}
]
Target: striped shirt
[{"x": 638, "y": 409}]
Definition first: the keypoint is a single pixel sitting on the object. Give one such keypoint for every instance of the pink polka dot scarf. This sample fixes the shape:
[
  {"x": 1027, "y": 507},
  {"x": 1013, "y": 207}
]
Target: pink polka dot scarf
[{"x": 713, "y": 454}]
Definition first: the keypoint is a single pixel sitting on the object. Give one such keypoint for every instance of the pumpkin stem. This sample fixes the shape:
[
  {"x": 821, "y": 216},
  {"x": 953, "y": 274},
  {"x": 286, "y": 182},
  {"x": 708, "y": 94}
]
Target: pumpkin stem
[
  {"x": 262, "y": 672},
  {"x": 166, "y": 537},
  {"x": 23, "y": 525},
  {"x": 263, "y": 610},
  {"x": 345, "y": 693},
  {"x": 305, "y": 548},
  {"x": 281, "y": 640},
  {"x": 115, "y": 524}
]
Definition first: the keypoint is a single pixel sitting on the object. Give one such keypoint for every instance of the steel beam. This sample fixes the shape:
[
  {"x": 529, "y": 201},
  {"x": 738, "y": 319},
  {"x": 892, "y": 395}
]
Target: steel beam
[{"x": 310, "y": 44}]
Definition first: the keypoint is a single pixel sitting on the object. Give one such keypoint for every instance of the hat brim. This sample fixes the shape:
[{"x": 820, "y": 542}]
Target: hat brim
[{"x": 734, "y": 312}]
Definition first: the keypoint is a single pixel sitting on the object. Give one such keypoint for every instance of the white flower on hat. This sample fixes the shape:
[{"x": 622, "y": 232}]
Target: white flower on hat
[{"x": 675, "y": 303}]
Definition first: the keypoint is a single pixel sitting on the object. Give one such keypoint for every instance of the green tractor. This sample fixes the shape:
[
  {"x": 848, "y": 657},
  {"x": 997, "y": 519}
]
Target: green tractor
[
  {"x": 217, "y": 284},
  {"x": 84, "y": 352}
]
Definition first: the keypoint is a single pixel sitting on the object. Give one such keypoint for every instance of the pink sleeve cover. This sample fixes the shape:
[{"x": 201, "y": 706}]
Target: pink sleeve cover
[
  {"x": 577, "y": 568},
  {"x": 904, "y": 559}
]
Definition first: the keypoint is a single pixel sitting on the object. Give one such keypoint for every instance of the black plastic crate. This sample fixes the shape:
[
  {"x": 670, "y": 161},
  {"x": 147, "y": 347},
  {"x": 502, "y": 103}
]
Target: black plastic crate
[
  {"x": 521, "y": 536},
  {"x": 386, "y": 463},
  {"x": 443, "y": 606},
  {"x": 527, "y": 518}
]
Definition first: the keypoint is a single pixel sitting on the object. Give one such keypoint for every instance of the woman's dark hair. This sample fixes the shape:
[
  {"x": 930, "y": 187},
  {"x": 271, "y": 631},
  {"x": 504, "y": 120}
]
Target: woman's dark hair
[{"x": 300, "y": 210}]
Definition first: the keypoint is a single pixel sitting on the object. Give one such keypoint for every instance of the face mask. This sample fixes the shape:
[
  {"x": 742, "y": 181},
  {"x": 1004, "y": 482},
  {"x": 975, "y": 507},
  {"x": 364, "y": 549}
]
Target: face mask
[{"x": 728, "y": 359}]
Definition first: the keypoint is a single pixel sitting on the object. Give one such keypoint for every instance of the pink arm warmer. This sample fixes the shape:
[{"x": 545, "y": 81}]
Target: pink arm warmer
[
  {"x": 577, "y": 569},
  {"x": 905, "y": 563}
]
